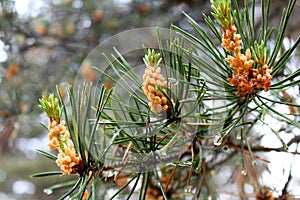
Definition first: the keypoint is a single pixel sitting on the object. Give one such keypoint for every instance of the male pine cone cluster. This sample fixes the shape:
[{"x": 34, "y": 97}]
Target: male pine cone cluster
[
  {"x": 153, "y": 78},
  {"x": 59, "y": 139},
  {"x": 245, "y": 78}
]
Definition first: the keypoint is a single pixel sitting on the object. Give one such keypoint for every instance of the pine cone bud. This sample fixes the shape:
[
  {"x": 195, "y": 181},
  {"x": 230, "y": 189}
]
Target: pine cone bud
[{"x": 152, "y": 79}]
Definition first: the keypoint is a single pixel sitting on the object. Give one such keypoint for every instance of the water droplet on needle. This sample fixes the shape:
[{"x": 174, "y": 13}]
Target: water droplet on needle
[
  {"x": 48, "y": 191},
  {"x": 172, "y": 82},
  {"x": 244, "y": 172},
  {"x": 218, "y": 140}
]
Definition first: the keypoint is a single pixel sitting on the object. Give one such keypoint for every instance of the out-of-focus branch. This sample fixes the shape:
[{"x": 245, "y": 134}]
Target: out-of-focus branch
[{"x": 258, "y": 148}]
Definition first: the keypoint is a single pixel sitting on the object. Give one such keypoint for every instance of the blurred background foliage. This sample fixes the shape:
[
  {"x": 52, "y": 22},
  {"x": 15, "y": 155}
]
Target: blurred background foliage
[{"x": 42, "y": 44}]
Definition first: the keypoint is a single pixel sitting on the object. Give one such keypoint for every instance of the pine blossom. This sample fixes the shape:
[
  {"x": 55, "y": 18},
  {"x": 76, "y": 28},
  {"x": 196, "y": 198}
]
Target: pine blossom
[
  {"x": 245, "y": 78},
  {"x": 69, "y": 160},
  {"x": 230, "y": 40},
  {"x": 152, "y": 78},
  {"x": 58, "y": 133},
  {"x": 59, "y": 139}
]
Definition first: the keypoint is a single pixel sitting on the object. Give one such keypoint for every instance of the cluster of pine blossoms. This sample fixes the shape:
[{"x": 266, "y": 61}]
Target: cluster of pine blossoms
[
  {"x": 59, "y": 139},
  {"x": 245, "y": 78},
  {"x": 153, "y": 78}
]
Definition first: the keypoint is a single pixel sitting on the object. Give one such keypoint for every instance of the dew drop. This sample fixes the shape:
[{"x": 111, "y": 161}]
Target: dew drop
[
  {"x": 172, "y": 82},
  {"x": 158, "y": 184},
  {"x": 244, "y": 172},
  {"x": 239, "y": 136},
  {"x": 188, "y": 189},
  {"x": 48, "y": 191},
  {"x": 109, "y": 173},
  {"x": 198, "y": 170},
  {"x": 225, "y": 147},
  {"x": 162, "y": 152},
  {"x": 218, "y": 140}
]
